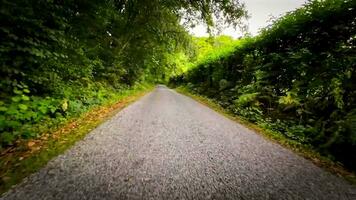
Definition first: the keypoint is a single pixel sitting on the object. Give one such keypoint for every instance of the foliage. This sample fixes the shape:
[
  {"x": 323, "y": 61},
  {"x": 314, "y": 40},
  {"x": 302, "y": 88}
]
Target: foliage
[
  {"x": 297, "y": 78},
  {"x": 28, "y": 156},
  {"x": 60, "y": 58}
]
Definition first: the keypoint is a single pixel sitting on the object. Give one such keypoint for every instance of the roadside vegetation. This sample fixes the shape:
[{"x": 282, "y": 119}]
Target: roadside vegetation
[
  {"x": 296, "y": 78},
  {"x": 29, "y": 155},
  {"x": 62, "y": 60},
  {"x": 305, "y": 150}
]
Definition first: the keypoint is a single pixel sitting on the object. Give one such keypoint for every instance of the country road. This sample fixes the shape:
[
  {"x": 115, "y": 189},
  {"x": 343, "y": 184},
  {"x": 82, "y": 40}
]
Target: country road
[{"x": 168, "y": 146}]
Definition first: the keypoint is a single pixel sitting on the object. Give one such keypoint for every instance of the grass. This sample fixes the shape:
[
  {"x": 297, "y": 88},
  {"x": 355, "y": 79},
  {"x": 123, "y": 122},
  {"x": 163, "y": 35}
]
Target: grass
[
  {"x": 31, "y": 155},
  {"x": 300, "y": 149}
]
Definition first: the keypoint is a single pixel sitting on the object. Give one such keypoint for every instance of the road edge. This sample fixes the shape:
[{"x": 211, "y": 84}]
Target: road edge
[
  {"x": 30, "y": 158},
  {"x": 300, "y": 149}
]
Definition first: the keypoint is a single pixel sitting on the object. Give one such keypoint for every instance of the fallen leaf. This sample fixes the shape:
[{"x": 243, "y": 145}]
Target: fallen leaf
[{"x": 30, "y": 144}]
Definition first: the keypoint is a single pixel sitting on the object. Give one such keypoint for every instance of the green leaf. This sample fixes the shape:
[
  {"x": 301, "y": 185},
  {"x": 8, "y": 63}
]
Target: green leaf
[
  {"x": 53, "y": 109},
  {"x": 16, "y": 99},
  {"x": 23, "y": 107},
  {"x": 43, "y": 109},
  {"x": 64, "y": 105},
  {"x": 26, "y": 91},
  {"x": 3, "y": 108},
  {"x": 25, "y": 98},
  {"x": 16, "y": 91}
]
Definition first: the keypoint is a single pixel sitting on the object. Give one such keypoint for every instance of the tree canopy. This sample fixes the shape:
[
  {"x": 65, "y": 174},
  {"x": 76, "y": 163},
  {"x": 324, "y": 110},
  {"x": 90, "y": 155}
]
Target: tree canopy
[{"x": 79, "y": 52}]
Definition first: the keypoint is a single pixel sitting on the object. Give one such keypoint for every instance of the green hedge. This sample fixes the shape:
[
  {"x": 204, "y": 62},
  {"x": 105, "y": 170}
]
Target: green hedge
[
  {"x": 298, "y": 77},
  {"x": 54, "y": 66}
]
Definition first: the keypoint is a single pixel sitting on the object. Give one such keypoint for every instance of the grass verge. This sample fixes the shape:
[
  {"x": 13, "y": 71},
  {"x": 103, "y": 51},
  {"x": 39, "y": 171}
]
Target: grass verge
[
  {"x": 300, "y": 149},
  {"x": 28, "y": 156}
]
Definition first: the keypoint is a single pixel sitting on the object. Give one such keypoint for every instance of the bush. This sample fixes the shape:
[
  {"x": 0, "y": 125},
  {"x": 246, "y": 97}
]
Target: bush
[{"x": 297, "y": 77}]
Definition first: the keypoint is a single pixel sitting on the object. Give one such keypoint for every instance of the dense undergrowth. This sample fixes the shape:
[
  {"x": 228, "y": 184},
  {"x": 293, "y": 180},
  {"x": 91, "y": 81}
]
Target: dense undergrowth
[
  {"x": 60, "y": 58},
  {"x": 26, "y": 116},
  {"x": 296, "y": 78},
  {"x": 27, "y": 156}
]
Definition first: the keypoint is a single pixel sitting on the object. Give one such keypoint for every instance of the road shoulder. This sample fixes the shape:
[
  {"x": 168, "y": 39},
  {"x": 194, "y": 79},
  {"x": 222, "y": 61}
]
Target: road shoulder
[
  {"x": 300, "y": 149},
  {"x": 31, "y": 155}
]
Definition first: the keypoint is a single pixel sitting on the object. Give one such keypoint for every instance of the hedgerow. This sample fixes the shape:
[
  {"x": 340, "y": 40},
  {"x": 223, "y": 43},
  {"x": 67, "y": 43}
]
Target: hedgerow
[
  {"x": 297, "y": 78},
  {"x": 60, "y": 58}
]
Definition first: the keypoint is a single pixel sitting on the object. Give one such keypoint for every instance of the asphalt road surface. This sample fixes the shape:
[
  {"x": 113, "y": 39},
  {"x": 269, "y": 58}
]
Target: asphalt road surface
[{"x": 168, "y": 146}]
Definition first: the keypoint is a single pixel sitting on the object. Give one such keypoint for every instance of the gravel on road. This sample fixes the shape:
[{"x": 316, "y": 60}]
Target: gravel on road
[{"x": 168, "y": 146}]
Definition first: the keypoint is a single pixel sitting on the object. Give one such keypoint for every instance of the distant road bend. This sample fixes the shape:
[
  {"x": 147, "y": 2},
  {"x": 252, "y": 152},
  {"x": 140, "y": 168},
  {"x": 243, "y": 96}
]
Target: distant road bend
[{"x": 168, "y": 146}]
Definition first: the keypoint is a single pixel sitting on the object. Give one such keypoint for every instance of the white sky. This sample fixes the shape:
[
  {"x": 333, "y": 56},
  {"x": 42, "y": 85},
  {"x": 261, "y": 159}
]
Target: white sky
[{"x": 260, "y": 12}]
